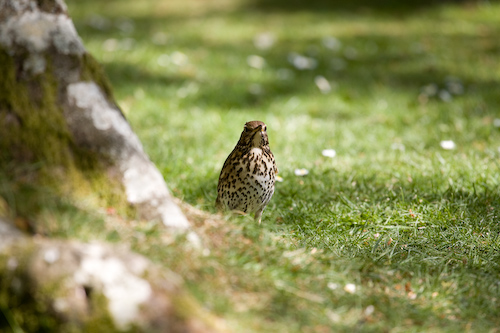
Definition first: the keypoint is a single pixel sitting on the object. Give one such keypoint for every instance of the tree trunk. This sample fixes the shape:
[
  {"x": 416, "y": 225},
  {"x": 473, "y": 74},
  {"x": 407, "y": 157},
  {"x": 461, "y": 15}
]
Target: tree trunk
[
  {"x": 57, "y": 112},
  {"x": 69, "y": 286},
  {"x": 61, "y": 129}
]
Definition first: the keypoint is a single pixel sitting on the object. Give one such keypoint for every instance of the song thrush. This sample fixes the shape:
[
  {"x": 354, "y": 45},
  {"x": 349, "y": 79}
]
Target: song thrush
[{"x": 246, "y": 182}]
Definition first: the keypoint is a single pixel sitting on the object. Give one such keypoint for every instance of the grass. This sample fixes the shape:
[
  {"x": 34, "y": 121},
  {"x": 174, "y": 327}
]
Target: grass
[{"x": 412, "y": 226}]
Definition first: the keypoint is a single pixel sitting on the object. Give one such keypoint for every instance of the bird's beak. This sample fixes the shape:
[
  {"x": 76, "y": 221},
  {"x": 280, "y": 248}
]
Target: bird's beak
[{"x": 258, "y": 128}]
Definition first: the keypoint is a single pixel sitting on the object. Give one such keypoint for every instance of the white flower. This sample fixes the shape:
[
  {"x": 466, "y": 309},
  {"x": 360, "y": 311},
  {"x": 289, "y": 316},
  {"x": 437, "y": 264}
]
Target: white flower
[
  {"x": 127, "y": 44},
  {"x": 322, "y": 84},
  {"x": 189, "y": 89},
  {"x": 264, "y": 41},
  {"x": 369, "y": 310},
  {"x": 334, "y": 317},
  {"x": 332, "y": 43},
  {"x": 256, "y": 61},
  {"x": 159, "y": 38},
  {"x": 139, "y": 93},
  {"x": 351, "y": 53},
  {"x": 179, "y": 58},
  {"x": 255, "y": 89},
  {"x": 99, "y": 22},
  {"x": 301, "y": 62},
  {"x": 455, "y": 87},
  {"x": 163, "y": 60},
  {"x": 301, "y": 172},
  {"x": 126, "y": 26},
  {"x": 350, "y": 288},
  {"x": 496, "y": 122},
  {"x": 110, "y": 45},
  {"x": 279, "y": 179},
  {"x": 329, "y": 153},
  {"x": 445, "y": 96},
  {"x": 430, "y": 89},
  {"x": 332, "y": 285},
  {"x": 51, "y": 255},
  {"x": 382, "y": 104},
  {"x": 448, "y": 144},
  {"x": 398, "y": 146},
  {"x": 284, "y": 74}
]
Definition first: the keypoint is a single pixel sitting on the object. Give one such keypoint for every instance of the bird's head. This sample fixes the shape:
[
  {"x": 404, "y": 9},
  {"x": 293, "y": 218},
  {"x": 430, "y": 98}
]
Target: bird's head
[{"x": 254, "y": 135}]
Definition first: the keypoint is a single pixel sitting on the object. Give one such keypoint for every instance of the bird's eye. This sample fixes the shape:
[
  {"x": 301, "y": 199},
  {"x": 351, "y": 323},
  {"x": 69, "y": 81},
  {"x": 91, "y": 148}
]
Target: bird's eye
[{"x": 246, "y": 129}]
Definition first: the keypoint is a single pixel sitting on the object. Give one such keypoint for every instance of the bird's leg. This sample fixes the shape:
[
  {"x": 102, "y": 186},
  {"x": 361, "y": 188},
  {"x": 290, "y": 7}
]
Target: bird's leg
[
  {"x": 258, "y": 215},
  {"x": 239, "y": 212}
]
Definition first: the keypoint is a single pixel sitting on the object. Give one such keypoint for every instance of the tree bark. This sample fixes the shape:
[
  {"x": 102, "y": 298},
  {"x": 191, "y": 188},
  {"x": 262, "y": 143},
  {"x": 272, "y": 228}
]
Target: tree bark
[
  {"x": 57, "y": 111},
  {"x": 60, "y": 128},
  {"x": 67, "y": 286}
]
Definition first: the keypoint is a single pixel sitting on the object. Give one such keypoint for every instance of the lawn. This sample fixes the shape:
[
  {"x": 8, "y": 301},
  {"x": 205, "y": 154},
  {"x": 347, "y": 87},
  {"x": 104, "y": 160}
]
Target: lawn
[{"x": 398, "y": 231}]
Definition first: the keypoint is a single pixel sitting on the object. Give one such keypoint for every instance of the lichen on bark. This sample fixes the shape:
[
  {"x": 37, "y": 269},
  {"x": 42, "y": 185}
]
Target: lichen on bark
[
  {"x": 34, "y": 132},
  {"x": 64, "y": 140},
  {"x": 59, "y": 115},
  {"x": 70, "y": 286}
]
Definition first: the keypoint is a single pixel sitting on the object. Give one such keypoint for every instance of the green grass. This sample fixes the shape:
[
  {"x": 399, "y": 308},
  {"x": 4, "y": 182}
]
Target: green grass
[{"x": 413, "y": 226}]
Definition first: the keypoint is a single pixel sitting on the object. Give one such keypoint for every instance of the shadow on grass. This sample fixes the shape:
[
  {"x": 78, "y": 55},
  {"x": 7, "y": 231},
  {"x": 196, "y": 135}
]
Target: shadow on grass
[
  {"x": 366, "y": 63},
  {"x": 383, "y": 6},
  {"x": 357, "y": 82}
]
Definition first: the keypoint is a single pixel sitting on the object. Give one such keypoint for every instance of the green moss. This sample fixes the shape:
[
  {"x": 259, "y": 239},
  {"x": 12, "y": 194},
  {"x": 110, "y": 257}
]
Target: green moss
[
  {"x": 35, "y": 137},
  {"x": 30, "y": 307},
  {"x": 99, "y": 320},
  {"x": 20, "y": 306},
  {"x": 41, "y": 134},
  {"x": 4, "y": 207}
]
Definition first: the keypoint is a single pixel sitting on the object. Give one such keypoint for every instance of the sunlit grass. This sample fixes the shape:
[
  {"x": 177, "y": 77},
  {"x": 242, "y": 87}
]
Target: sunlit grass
[{"x": 412, "y": 225}]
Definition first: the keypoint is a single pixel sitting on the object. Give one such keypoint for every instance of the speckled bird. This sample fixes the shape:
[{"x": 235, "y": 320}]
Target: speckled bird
[{"x": 246, "y": 182}]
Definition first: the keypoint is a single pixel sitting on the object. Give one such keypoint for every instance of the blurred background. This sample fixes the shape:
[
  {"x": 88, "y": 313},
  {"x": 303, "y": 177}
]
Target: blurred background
[
  {"x": 384, "y": 120},
  {"x": 359, "y": 77}
]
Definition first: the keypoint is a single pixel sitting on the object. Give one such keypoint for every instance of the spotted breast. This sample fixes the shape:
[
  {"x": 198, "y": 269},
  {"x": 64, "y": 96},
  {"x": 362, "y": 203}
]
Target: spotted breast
[{"x": 246, "y": 182}]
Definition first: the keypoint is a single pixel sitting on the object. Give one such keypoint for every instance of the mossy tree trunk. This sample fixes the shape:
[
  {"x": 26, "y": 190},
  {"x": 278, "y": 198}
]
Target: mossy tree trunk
[
  {"x": 68, "y": 286},
  {"x": 58, "y": 118},
  {"x": 61, "y": 129}
]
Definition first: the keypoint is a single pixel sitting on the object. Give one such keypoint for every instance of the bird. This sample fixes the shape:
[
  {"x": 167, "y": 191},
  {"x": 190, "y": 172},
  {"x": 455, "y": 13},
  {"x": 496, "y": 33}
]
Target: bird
[{"x": 246, "y": 181}]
